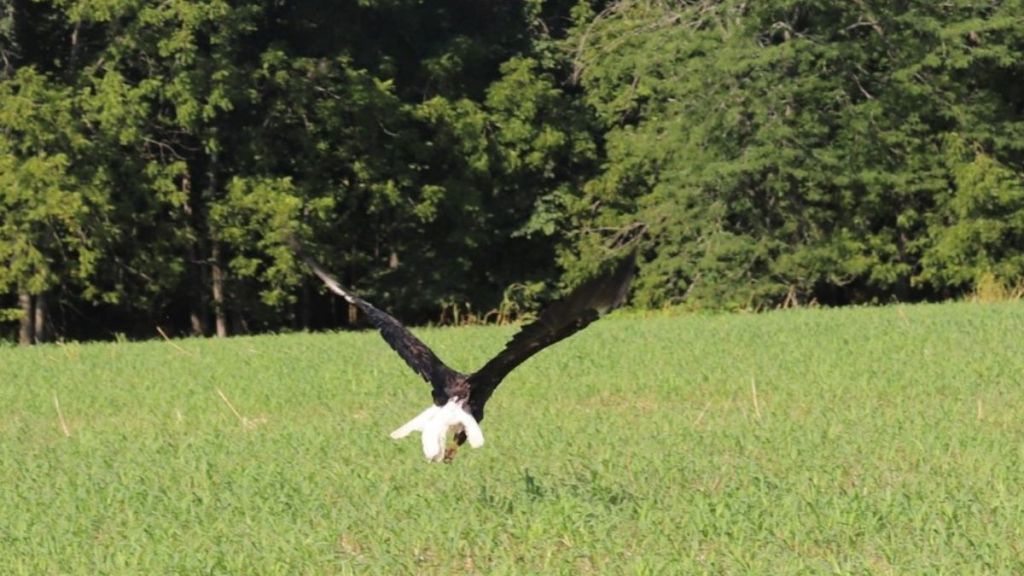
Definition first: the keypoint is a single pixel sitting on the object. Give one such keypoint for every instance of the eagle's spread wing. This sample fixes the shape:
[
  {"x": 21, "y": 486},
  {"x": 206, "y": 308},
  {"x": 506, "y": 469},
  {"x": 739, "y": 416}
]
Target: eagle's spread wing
[
  {"x": 558, "y": 321},
  {"x": 415, "y": 353}
]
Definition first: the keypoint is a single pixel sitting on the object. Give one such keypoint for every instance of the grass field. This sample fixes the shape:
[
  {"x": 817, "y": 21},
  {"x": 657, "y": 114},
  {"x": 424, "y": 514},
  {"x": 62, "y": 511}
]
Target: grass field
[{"x": 887, "y": 440}]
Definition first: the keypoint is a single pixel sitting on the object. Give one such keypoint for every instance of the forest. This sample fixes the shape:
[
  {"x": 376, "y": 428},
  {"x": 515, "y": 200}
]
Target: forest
[{"x": 467, "y": 160}]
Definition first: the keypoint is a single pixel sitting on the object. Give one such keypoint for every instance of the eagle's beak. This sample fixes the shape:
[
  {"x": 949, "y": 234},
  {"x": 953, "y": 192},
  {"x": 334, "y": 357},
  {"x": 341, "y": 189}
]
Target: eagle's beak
[{"x": 436, "y": 422}]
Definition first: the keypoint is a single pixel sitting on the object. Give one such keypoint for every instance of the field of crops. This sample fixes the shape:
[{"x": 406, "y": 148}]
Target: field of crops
[{"x": 886, "y": 440}]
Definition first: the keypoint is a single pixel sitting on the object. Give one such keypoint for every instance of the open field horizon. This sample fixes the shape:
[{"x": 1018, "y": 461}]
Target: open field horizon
[{"x": 856, "y": 440}]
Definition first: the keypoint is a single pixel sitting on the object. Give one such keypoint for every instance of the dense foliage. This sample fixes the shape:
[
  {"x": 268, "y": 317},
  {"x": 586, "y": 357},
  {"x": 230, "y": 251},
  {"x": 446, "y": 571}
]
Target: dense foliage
[
  {"x": 843, "y": 151},
  {"x": 460, "y": 156}
]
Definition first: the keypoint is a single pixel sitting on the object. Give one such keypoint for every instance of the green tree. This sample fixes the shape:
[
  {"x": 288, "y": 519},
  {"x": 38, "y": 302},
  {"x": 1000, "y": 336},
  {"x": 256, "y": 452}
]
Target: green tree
[
  {"x": 53, "y": 203},
  {"x": 790, "y": 150}
]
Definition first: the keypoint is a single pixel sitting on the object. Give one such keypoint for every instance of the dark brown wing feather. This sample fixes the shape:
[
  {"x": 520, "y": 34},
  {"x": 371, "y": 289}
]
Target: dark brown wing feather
[
  {"x": 415, "y": 353},
  {"x": 558, "y": 321}
]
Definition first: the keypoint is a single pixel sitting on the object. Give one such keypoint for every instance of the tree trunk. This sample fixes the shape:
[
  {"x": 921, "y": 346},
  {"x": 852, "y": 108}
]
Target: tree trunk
[
  {"x": 196, "y": 272},
  {"x": 73, "y": 54},
  {"x": 220, "y": 314},
  {"x": 198, "y": 307},
  {"x": 8, "y": 52},
  {"x": 41, "y": 319},
  {"x": 195, "y": 319},
  {"x": 27, "y": 330},
  {"x": 304, "y": 312},
  {"x": 217, "y": 276},
  {"x": 353, "y": 312},
  {"x": 353, "y": 315}
]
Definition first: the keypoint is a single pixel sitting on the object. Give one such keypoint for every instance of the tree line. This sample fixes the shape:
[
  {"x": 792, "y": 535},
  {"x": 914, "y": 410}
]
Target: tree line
[{"x": 454, "y": 158}]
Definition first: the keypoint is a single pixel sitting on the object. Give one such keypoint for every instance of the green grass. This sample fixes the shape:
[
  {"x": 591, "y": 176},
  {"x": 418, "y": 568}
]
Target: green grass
[{"x": 886, "y": 440}]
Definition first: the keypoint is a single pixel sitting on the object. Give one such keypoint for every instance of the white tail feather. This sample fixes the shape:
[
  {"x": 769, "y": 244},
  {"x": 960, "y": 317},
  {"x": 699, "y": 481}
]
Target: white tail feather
[
  {"x": 416, "y": 424},
  {"x": 471, "y": 427},
  {"x": 435, "y": 423},
  {"x": 434, "y": 434}
]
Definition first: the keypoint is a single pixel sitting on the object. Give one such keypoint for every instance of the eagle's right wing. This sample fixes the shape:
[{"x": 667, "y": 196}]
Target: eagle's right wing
[{"x": 416, "y": 354}]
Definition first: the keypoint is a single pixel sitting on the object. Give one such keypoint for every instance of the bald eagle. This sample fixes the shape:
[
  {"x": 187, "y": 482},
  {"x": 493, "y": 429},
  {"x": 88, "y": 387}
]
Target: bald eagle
[{"x": 459, "y": 398}]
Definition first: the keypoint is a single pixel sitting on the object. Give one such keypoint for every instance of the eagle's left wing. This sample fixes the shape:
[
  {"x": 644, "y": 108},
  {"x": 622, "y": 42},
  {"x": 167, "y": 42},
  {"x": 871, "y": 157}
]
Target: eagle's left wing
[{"x": 556, "y": 322}]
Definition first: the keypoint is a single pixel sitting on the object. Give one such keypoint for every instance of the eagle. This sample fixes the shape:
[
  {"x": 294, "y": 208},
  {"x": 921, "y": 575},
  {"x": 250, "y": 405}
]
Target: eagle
[{"x": 459, "y": 399}]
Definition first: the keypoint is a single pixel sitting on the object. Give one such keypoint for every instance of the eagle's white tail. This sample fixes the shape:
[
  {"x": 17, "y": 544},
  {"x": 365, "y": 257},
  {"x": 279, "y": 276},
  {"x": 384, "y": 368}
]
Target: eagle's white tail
[
  {"x": 416, "y": 424},
  {"x": 436, "y": 422}
]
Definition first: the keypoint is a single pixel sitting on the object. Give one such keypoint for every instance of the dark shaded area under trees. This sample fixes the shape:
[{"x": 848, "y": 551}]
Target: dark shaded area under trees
[{"x": 457, "y": 157}]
